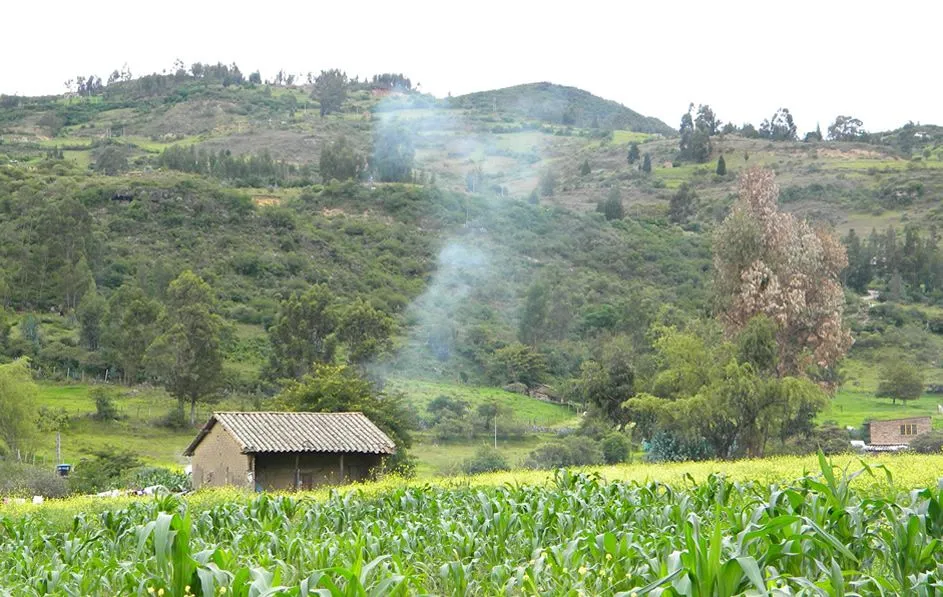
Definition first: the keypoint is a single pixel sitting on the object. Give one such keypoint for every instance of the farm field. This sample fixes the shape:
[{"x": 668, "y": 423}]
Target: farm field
[{"x": 610, "y": 531}]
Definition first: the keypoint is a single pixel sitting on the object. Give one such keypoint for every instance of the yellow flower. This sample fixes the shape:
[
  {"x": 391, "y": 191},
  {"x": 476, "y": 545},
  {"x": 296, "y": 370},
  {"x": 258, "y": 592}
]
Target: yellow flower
[
  {"x": 222, "y": 590},
  {"x": 150, "y": 589},
  {"x": 582, "y": 569},
  {"x": 160, "y": 593},
  {"x": 608, "y": 556}
]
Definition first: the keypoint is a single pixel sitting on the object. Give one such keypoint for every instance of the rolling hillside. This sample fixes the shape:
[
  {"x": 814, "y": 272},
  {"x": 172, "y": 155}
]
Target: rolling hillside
[{"x": 458, "y": 255}]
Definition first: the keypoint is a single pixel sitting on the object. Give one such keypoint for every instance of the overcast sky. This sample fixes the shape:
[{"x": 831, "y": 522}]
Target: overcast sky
[{"x": 878, "y": 61}]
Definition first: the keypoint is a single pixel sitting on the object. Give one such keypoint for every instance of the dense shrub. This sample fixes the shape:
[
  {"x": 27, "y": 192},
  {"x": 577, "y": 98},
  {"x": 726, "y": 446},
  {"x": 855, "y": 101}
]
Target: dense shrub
[
  {"x": 665, "y": 447},
  {"x": 928, "y": 443},
  {"x": 575, "y": 450},
  {"x": 154, "y": 475},
  {"x": 105, "y": 409},
  {"x": 23, "y": 480},
  {"x": 485, "y": 460},
  {"x": 104, "y": 470},
  {"x": 615, "y": 448}
]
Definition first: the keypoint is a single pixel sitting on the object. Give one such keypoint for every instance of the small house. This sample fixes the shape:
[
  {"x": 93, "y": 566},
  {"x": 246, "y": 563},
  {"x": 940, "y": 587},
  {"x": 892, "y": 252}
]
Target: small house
[
  {"x": 897, "y": 432},
  {"x": 285, "y": 450}
]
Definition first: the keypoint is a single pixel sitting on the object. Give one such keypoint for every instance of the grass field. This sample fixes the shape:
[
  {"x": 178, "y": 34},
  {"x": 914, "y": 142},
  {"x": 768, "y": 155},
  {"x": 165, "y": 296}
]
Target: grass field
[{"x": 527, "y": 410}]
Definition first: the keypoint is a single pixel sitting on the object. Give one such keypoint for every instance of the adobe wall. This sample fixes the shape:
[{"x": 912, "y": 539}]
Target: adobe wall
[{"x": 218, "y": 461}]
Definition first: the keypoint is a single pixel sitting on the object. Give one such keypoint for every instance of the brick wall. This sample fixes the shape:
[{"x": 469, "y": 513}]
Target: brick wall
[
  {"x": 888, "y": 433},
  {"x": 218, "y": 461}
]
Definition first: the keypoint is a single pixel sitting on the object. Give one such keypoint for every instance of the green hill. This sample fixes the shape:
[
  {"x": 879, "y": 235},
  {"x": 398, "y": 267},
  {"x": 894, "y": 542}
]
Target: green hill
[
  {"x": 562, "y": 105},
  {"x": 493, "y": 242}
]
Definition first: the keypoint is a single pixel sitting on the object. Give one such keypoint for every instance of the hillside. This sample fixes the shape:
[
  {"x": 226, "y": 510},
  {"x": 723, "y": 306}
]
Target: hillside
[
  {"x": 561, "y": 105},
  {"x": 490, "y": 256}
]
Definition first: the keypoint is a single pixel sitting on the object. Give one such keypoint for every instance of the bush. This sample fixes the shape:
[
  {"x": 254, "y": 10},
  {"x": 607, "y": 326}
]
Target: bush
[
  {"x": 928, "y": 443},
  {"x": 615, "y": 448},
  {"x": 105, "y": 470},
  {"x": 575, "y": 450},
  {"x": 665, "y": 447},
  {"x": 155, "y": 475},
  {"x": 176, "y": 418},
  {"x": 105, "y": 409},
  {"x": 485, "y": 460},
  {"x": 25, "y": 481}
]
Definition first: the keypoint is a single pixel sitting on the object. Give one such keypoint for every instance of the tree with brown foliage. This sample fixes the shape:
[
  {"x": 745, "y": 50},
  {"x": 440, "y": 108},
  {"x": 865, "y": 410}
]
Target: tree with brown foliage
[{"x": 771, "y": 263}]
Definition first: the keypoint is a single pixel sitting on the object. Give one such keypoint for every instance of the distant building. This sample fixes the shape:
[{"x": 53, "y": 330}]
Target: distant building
[
  {"x": 897, "y": 432},
  {"x": 285, "y": 450}
]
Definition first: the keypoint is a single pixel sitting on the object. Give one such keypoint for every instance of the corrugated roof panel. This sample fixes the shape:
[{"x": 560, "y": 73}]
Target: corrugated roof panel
[{"x": 301, "y": 432}]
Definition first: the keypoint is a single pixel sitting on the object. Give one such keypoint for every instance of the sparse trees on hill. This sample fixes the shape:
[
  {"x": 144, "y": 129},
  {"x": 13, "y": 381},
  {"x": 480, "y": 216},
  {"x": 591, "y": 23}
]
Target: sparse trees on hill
[
  {"x": 633, "y": 153},
  {"x": 341, "y": 161},
  {"x": 585, "y": 168},
  {"x": 131, "y": 326},
  {"x": 780, "y": 128},
  {"x": 695, "y": 144},
  {"x": 330, "y": 89},
  {"x": 845, "y": 128},
  {"x": 647, "y": 164},
  {"x": 721, "y": 166}
]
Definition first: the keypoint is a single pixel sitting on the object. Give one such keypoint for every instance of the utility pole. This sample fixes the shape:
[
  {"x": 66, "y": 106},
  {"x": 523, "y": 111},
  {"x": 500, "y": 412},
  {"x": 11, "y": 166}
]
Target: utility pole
[
  {"x": 58, "y": 447},
  {"x": 496, "y": 429}
]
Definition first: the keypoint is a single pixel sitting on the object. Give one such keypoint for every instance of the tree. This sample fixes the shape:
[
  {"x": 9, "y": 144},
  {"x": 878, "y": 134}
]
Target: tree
[
  {"x": 858, "y": 274},
  {"x": 18, "y": 411},
  {"x": 365, "y": 331},
  {"x": 255, "y": 78},
  {"x": 695, "y": 141},
  {"x": 633, "y": 153},
  {"x": 187, "y": 357},
  {"x": 608, "y": 381},
  {"x": 339, "y": 388},
  {"x": 721, "y": 166},
  {"x": 517, "y": 363},
  {"x": 341, "y": 161},
  {"x": 531, "y": 330},
  {"x": 707, "y": 121},
  {"x": 90, "y": 313},
  {"x": 769, "y": 262},
  {"x": 584, "y": 168},
  {"x": 112, "y": 160},
  {"x": 647, "y": 164},
  {"x": 547, "y": 183},
  {"x": 330, "y": 89},
  {"x": 303, "y": 333},
  {"x": 130, "y": 328},
  {"x": 845, "y": 128},
  {"x": 393, "y": 154},
  {"x": 703, "y": 392},
  {"x": 900, "y": 380},
  {"x": 682, "y": 204},
  {"x": 612, "y": 207},
  {"x": 780, "y": 128}
]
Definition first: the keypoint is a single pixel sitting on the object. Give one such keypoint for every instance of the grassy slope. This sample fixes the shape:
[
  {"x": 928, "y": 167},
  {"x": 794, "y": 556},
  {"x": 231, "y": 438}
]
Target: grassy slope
[{"x": 141, "y": 407}]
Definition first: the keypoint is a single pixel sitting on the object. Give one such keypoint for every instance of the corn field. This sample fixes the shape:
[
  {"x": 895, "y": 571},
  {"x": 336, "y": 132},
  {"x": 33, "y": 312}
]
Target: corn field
[{"x": 576, "y": 535}]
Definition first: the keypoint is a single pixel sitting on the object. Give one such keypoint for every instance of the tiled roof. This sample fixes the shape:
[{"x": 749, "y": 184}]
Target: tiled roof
[{"x": 299, "y": 432}]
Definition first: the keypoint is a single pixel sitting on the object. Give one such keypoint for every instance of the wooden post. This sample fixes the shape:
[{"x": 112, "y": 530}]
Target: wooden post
[
  {"x": 342, "y": 467},
  {"x": 297, "y": 472}
]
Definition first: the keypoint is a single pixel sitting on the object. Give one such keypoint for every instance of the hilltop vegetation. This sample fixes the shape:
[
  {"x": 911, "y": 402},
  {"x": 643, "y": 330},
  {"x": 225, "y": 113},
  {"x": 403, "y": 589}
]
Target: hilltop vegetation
[{"x": 557, "y": 104}]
